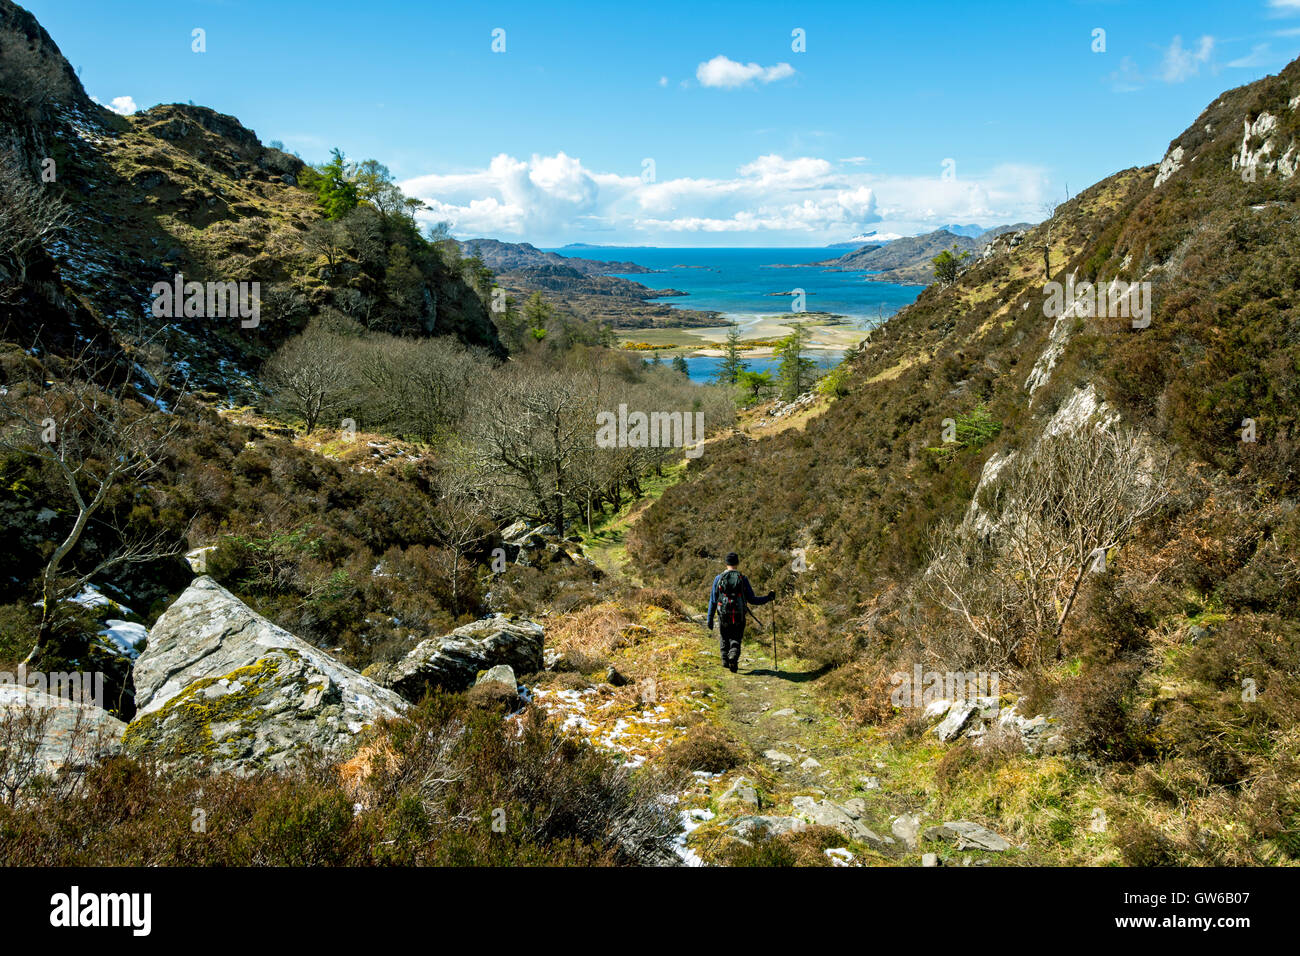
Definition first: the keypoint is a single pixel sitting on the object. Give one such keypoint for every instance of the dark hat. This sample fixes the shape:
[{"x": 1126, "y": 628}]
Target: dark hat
[{"x": 733, "y": 559}]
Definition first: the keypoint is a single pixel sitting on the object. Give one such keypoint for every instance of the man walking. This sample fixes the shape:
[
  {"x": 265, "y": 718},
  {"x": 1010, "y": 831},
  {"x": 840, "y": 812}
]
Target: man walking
[{"x": 731, "y": 595}]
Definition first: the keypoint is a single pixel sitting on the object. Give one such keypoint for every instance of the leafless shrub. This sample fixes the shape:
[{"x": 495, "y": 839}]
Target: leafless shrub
[
  {"x": 84, "y": 418},
  {"x": 1011, "y": 575}
]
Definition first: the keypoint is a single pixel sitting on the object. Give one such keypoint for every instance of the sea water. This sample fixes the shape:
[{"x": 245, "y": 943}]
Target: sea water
[{"x": 739, "y": 282}]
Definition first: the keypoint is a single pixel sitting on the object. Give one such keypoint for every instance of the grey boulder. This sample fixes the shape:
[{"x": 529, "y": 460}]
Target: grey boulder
[
  {"x": 46, "y": 732},
  {"x": 970, "y": 836},
  {"x": 453, "y": 662},
  {"x": 221, "y": 687},
  {"x": 828, "y": 814}
]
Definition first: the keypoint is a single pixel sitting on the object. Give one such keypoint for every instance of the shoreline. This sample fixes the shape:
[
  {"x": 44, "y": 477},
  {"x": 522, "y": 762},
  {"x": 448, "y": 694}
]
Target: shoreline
[{"x": 832, "y": 334}]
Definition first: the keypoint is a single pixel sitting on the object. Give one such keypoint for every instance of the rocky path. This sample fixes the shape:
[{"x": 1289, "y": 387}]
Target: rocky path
[{"x": 802, "y": 765}]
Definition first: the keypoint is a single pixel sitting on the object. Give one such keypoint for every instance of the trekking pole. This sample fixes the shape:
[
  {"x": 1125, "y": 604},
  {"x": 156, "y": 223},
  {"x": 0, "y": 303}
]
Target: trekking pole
[{"x": 775, "y": 658}]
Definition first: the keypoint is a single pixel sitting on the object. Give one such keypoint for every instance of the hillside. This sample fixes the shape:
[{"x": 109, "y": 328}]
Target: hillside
[
  {"x": 1174, "y": 668},
  {"x": 381, "y": 577},
  {"x": 184, "y": 189},
  {"x": 508, "y": 256}
]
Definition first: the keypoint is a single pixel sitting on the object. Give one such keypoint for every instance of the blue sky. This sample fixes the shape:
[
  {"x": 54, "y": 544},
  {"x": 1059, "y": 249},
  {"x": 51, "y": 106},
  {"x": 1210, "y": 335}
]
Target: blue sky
[{"x": 751, "y": 142}]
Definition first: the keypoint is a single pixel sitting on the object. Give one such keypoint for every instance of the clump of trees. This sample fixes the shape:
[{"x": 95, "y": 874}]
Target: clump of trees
[
  {"x": 415, "y": 388},
  {"x": 526, "y": 430},
  {"x": 379, "y": 269}
]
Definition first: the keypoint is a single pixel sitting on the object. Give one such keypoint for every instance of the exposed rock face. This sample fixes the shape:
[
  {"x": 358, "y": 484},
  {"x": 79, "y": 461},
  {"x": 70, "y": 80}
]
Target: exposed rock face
[
  {"x": 969, "y": 835},
  {"x": 454, "y": 661},
  {"x": 47, "y": 732},
  {"x": 842, "y": 818},
  {"x": 954, "y": 723},
  {"x": 219, "y": 685},
  {"x": 978, "y": 716},
  {"x": 1172, "y": 162}
]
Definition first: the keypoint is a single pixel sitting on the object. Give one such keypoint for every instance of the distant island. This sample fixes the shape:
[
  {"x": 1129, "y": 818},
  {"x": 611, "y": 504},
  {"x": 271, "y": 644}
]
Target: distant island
[{"x": 907, "y": 261}]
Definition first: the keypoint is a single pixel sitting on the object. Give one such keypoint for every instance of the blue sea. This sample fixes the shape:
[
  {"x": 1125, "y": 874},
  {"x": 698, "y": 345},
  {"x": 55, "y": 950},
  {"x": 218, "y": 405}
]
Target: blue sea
[{"x": 739, "y": 283}]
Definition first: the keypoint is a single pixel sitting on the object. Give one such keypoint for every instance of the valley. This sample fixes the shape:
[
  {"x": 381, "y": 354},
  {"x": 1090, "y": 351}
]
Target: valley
[{"x": 384, "y": 542}]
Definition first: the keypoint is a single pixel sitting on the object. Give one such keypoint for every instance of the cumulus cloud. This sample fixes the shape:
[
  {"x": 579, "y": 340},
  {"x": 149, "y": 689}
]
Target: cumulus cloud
[
  {"x": 123, "y": 105},
  {"x": 1180, "y": 64},
  {"x": 801, "y": 200},
  {"x": 728, "y": 74}
]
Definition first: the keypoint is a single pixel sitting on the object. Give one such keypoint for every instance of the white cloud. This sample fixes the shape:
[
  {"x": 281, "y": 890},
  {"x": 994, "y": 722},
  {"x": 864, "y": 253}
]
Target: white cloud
[
  {"x": 1286, "y": 5},
  {"x": 123, "y": 105},
  {"x": 728, "y": 74},
  {"x": 663, "y": 81},
  {"x": 1259, "y": 55},
  {"x": 1180, "y": 64},
  {"x": 550, "y": 200}
]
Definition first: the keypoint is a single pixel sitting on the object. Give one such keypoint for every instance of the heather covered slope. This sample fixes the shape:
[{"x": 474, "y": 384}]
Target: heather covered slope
[
  {"x": 1175, "y": 669},
  {"x": 184, "y": 189}
]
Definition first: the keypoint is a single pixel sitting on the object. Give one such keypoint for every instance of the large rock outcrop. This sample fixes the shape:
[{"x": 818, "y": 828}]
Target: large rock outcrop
[
  {"x": 454, "y": 661},
  {"x": 221, "y": 686},
  {"x": 45, "y": 732}
]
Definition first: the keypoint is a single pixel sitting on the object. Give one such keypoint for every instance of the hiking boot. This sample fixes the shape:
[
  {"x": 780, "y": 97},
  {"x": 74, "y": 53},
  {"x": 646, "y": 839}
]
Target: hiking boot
[{"x": 731, "y": 666}]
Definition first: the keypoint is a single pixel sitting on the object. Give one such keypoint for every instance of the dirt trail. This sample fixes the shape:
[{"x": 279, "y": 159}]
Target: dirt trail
[
  {"x": 770, "y": 703},
  {"x": 793, "y": 747}
]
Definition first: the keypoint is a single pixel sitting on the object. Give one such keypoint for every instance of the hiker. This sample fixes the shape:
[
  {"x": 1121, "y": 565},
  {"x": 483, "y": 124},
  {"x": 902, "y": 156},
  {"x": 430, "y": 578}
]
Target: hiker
[{"x": 731, "y": 596}]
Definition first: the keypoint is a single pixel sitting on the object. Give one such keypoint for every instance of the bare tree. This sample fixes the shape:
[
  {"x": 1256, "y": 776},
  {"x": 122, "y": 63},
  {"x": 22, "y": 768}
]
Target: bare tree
[
  {"x": 85, "y": 419},
  {"x": 527, "y": 425},
  {"x": 460, "y": 516},
  {"x": 31, "y": 216},
  {"x": 1013, "y": 576},
  {"x": 328, "y": 238},
  {"x": 1049, "y": 220},
  {"x": 308, "y": 375}
]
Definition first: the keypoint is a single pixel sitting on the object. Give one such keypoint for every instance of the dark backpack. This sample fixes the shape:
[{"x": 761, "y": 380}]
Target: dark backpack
[{"x": 731, "y": 598}]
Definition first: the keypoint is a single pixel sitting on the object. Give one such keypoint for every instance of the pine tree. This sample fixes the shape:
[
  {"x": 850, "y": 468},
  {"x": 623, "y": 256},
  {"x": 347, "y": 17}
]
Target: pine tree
[
  {"x": 335, "y": 189},
  {"x": 732, "y": 364},
  {"x": 795, "y": 371},
  {"x": 538, "y": 314}
]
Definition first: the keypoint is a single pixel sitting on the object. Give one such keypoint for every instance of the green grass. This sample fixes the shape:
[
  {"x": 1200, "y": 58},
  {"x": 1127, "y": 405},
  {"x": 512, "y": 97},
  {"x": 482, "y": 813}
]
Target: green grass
[{"x": 605, "y": 543}]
